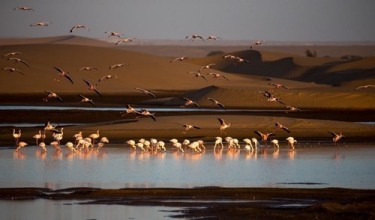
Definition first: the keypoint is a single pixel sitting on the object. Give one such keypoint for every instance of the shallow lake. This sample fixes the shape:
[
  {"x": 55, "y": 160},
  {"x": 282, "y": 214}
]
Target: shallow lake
[{"x": 118, "y": 166}]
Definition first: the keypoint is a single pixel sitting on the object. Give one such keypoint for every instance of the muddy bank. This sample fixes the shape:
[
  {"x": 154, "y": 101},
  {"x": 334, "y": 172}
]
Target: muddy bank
[{"x": 222, "y": 203}]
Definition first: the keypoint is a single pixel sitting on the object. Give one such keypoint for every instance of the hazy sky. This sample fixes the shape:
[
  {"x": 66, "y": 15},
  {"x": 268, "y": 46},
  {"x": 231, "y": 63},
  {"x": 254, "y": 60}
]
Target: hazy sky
[{"x": 276, "y": 20}]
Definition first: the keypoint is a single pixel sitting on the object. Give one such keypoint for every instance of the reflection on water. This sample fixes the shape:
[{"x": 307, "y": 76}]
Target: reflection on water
[
  {"x": 117, "y": 166},
  {"x": 67, "y": 210}
]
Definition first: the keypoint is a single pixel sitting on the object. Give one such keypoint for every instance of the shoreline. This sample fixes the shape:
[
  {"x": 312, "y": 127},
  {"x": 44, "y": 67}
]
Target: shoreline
[{"x": 223, "y": 203}]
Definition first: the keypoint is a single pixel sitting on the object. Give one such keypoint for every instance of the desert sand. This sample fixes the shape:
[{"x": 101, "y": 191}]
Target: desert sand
[
  {"x": 323, "y": 88},
  {"x": 318, "y": 86}
]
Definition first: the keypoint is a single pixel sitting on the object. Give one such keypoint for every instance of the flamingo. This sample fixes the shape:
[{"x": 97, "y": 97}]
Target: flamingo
[
  {"x": 19, "y": 60},
  {"x": 278, "y": 85},
  {"x": 179, "y": 59},
  {"x": 218, "y": 75},
  {"x": 124, "y": 40},
  {"x": 37, "y": 137},
  {"x": 256, "y": 43},
  {"x": 49, "y": 127},
  {"x": 188, "y": 102},
  {"x": 213, "y": 37},
  {"x": 52, "y": 95},
  {"x": 208, "y": 66},
  {"x": 217, "y": 103},
  {"x": 176, "y": 144},
  {"x": 144, "y": 112},
  {"x": 12, "y": 53},
  {"x": 78, "y": 26},
  {"x": 292, "y": 109},
  {"x": 129, "y": 110},
  {"x": 278, "y": 125},
  {"x": 106, "y": 77},
  {"x": 59, "y": 136},
  {"x": 43, "y": 146},
  {"x": 40, "y": 24},
  {"x": 94, "y": 136},
  {"x": 275, "y": 143},
  {"x": 131, "y": 143},
  {"x": 255, "y": 141},
  {"x": 291, "y": 142},
  {"x": 87, "y": 68},
  {"x": 92, "y": 87},
  {"x": 24, "y": 8},
  {"x": 21, "y": 144},
  {"x": 365, "y": 87},
  {"x": 194, "y": 36},
  {"x": 12, "y": 69},
  {"x": 198, "y": 74},
  {"x": 240, "y": 60},
  {"x": 64, "y": 74},
  {"x": 189, "y": 126},
  {"x": 70, "y": 146},
  {"x": 118, "y": 65},
  {"x": 248, "y": 147},
  {"x": 223, "y": 125},
  {"x": 113, "y": 34},
  {"x": 16, "y": 135},
  {"x": 161, "y": 145},
  {"x": 85, "y": 99},
  {"x": 264, "y": 136},
  {"x": 218, "y": 142},
  {"x": 56, "y": 145},
  {"x": 336, "y": 137},
  {"x": 147, "y": 92},
  {"x": 78, "y": 136}
]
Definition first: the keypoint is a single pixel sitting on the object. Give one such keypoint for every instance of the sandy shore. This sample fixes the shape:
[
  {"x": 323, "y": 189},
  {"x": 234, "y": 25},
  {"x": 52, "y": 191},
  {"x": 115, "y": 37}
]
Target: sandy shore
[{"x": 235, "y": 203}]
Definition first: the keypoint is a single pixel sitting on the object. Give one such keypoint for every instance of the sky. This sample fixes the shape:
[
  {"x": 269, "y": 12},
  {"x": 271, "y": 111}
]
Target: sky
[{"x": 271, "y": 20}]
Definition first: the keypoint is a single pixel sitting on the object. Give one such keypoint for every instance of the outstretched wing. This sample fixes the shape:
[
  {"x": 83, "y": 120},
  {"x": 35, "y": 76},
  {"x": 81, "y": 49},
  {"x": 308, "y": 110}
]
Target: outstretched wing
[{"x": 68, "y": 77}]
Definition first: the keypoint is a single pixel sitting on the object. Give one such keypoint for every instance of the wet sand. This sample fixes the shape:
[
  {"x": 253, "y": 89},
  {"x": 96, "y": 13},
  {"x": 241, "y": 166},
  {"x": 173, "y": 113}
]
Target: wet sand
[{"x": 232, "y": 203}]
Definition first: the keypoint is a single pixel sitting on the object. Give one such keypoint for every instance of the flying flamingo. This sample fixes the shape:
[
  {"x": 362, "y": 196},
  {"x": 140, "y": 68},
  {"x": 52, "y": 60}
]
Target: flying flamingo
[
  {"x": 256, "y": 43},
  {"x": 19, "y": 60},
  {"x": 189, "y": 102},
  {"x": 12, "y": 53},
  {"x": 223, "y": 125},
  {"x": 129, "y": 110},
  {"x": 24, "y": 8},
  {"x": 189, "y": 126},
  {"x": 208, "y": 66},
  {"x": 124, "y": 40},
  {"x": 365, "y": 87},
  {"x": 78, "y": 26},
  {"x": 217, "y": 103},
  {"x": 194, "y": 36},
  {"x": 146, "y": 113},
  {"x": 218, "y": 75},
  {"x": 198, "y": 74},
  {"x": 64, "y": 74},
  {"x": 118, "y": 65},
  {"x": 280, "y": 126},
  {"x": 92, "y": 87},
  {"x": 146, "y": 92},
  {"x": 113, "y": 34},
  {"x": 11, "y": 69},
  {"x": 264, "y": 136},
  {"x": 212, "y": 37},
  {"x": 106, "y": 77},
  {"x": 179, "y": 59},
  {"x": 16, "y": 135},
  {"x": 278, "y": 85},
  {"x": 52, "y": 95},
  {"x": 40, "y": 24},
  {"x": 87, "y": 68},
  {"x": 336, "y": 137},
  {"x": 85, "y": 99}
]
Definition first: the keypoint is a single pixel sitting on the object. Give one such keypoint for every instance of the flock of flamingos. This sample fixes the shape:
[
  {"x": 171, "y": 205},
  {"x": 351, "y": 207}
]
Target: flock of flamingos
[{"x": 80, "y": 143}]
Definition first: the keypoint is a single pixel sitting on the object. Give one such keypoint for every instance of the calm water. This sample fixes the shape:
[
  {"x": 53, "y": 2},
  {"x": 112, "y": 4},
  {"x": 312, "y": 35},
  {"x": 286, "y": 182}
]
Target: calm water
[
  {"x": 119, "y": 167},
  {"x": 67, "y": 210}
]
